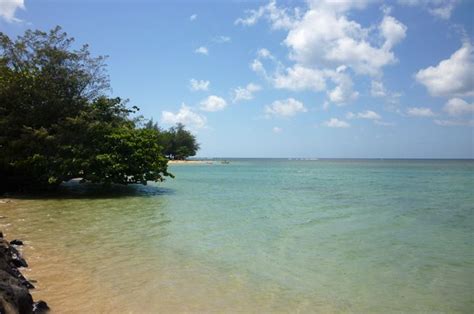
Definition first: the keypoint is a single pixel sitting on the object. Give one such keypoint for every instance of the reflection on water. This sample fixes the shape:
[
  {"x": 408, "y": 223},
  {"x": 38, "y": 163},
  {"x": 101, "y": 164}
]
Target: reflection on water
[{"x": 257, "y": 236}]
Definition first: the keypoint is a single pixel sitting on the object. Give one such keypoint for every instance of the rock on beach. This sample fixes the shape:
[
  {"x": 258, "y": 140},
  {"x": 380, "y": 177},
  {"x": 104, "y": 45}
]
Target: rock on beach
[{"x": 15, "y": 297}]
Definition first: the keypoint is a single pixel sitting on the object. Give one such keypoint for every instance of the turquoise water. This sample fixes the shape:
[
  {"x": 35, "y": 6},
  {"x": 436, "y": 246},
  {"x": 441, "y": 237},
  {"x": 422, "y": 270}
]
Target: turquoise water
[{"x": 339, "y": 236}]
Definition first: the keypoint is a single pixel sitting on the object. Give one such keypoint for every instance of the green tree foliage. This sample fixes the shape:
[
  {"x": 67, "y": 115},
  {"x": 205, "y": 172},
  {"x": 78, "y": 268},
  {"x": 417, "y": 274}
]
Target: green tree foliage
[
  {"x": 177, "y": 142},
  {"x": 57, "y": 124}
]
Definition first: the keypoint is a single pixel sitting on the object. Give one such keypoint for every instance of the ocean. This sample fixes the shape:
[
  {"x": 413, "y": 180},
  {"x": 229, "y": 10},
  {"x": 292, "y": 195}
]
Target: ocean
[{"x": 258, "y": 236}]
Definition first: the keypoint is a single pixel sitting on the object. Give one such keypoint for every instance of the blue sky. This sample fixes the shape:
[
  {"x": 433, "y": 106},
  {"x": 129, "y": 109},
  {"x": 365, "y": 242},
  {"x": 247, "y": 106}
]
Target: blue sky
[{"x": 314, "y": 78}]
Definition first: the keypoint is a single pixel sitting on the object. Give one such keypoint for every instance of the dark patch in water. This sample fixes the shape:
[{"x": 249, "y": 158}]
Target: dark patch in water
[{"x": 75, "y": 190}]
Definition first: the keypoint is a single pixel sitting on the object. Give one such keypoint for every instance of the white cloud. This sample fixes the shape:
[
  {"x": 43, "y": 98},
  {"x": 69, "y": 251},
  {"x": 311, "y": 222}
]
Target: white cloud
[
  {"x": 368, "y": 114},
  {"x": 199, "y": 85},
  {"x": 343, "y": 93},
  {"x": 391, "y": 99},
  {"x": 393, "y": 31},
  {"x": 443, "y": 12},
  {"x": 277, "y": 130},
  {"x": 420, "y": 112},
  {"x": 336, "y": 123},
  {"x": 257, "y": 66},
  {"x": 279, "y": 18},
  {"x": 285, "y": 108},
  {"x": 458, "y": 107},
  {"x": 325, "y": 35},
  {"x": 222, "y": 39},
  {"x": 186, "y": 116},
  {"x": 193, "y": 17},
  {"x": 377, "y": 89},
  {"x": 454, "y": 122},
  {"x": 300, "y": 78},
  {"x": 439, "y": 8},
  {"x": 451, "y": 77},
  {"x": 213, "y": 103},
  {"x": 202, "y": 50},
  {"x": 245, "y": 93},
  {"x": 264, "y": 53},
  {"x": 8, "y": 9},
  {"x": 327, "y": 47}
]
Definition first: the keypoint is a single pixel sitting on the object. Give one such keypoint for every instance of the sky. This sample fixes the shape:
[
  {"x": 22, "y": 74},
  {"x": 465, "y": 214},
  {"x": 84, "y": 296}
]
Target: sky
[{"x": 291, "y": 79}]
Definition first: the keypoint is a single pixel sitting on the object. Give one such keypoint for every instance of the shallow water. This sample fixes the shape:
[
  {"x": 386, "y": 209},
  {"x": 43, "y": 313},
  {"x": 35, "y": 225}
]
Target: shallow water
[{"x": 335, "y": 236}]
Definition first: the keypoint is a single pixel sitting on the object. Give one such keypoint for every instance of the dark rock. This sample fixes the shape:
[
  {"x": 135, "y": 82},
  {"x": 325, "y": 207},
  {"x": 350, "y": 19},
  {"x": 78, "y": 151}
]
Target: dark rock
[
  {"x": 19, "y": 261},
  {"x": 26, "y": 283},
  {"x": 15, "y": 297},
  {"x": 16, "y": 242},
  {"x": 16, "y": 259},
  {"x": 1, "y": 235},
  {"x": 40, "y": 307}
]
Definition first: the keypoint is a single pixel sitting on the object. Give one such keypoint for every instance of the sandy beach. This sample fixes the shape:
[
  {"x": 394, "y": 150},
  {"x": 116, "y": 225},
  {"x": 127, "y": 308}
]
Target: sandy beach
[{"x": 186, "y": 162}]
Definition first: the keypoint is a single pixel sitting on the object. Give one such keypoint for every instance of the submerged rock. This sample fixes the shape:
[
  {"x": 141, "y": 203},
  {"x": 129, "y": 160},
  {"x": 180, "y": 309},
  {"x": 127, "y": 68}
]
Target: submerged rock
[{"x": 15, "y": 297}]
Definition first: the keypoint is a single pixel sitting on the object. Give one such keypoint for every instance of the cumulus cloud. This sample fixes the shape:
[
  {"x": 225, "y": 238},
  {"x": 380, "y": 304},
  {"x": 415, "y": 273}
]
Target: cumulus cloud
[
  {"x": 392, "y": 30},
  {"x": 325, "y": 35},
  {"x": 245, "y": 93},
  {"x": 458, "y": 107},
  {"x": 343, "y": 92},
  {"x": 451, "y": 77},
  {"x": 439, "y": 8},
  {"x": 368, "y": 114},
  {"x": 202, "y": 50},
  {"x": 186, "y": 116},
  {"x": 8, "y": 9},
  {"x": 336, "y": 123},
  {"x": 199, "y": 85},
  {"x": 285, "y": 108},
  {"x": 327, "y": 47},
  {"x": 213, "y": 103},
  {"x": 193, "y": 17},
  {"x": 279, "y": 18},
  {"x": 299, "y": 78},
  {"x": 277, "y": 130},
  {"x": 420, "y": 112}
]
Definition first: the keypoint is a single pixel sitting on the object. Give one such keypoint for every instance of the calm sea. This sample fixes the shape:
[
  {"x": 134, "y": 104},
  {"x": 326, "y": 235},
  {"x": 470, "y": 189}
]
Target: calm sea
[{"x": 253, "y": 236}]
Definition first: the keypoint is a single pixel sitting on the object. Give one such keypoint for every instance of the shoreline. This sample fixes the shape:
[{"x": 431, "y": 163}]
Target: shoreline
[{"x": 191, "y": 162}]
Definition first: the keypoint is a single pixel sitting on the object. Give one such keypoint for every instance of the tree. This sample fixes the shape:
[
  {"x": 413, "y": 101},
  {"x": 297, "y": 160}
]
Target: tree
[
  {"x": 184, "y": 142},
  {"x": 177, "y": 142},
  {"x": 56, "y": 122}
]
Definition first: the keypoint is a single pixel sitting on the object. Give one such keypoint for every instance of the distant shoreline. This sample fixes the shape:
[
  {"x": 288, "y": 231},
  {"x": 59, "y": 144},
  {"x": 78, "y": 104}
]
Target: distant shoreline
[
  {"x": 218, "y": 159},
  {"x": 177, "y": 162}
]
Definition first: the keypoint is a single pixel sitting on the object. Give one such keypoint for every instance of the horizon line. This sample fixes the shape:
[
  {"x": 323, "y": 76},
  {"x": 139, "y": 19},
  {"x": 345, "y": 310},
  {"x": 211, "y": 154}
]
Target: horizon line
[{"x": 336, "y": 158}]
